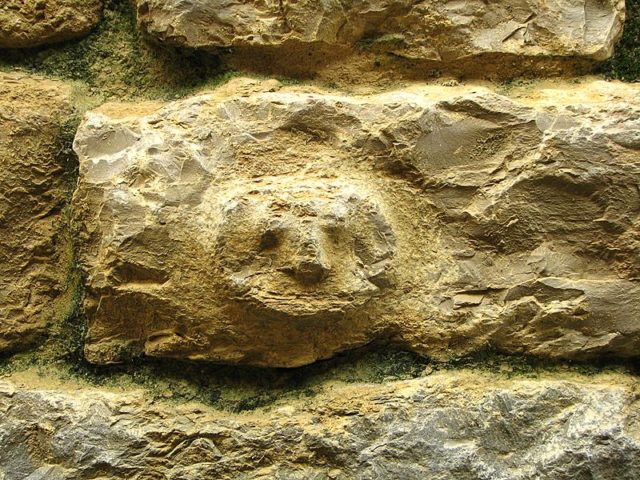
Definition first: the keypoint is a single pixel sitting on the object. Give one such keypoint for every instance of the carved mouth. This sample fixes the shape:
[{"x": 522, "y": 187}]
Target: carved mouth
[{"x": 327, "y": 302}]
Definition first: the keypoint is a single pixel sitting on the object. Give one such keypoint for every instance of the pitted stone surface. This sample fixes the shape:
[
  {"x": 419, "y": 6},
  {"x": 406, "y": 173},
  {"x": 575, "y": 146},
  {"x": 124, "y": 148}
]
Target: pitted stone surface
[
  {"x": 451, "y": 425},
  {"x": 445, "y": 33},
  {"x": 35, "y": 185},
  {"x": 31, "y": 23},
  {"x": 278, "y": 228}
]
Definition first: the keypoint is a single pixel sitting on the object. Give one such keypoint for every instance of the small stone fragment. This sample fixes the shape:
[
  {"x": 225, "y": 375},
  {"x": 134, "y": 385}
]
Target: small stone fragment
[{"x": 467, "y": 300}]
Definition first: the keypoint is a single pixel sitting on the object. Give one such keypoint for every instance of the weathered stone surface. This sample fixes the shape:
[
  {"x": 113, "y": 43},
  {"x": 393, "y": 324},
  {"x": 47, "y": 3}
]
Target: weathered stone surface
[
  {"x": 446, "y": 426},
  {"x": 281, "y": 227},
  {"x": 31, "y": 23},
  {"x": 34, "y": 187},
  {"x": 439, "y": 32}
]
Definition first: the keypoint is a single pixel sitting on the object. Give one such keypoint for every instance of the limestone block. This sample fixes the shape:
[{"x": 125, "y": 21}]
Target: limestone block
[
  {"x": 442, "y": 32},
  {"x": 31, "y": 23},
  {"x": 34, "y": 188},
  {"x": 279, "y": 227},
  {"x": 447, "y": 426}
]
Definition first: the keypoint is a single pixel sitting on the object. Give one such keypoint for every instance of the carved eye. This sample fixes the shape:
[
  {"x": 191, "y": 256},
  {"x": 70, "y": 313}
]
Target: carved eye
[
  {"x": 268, "y": 240},
  {"x": 333, "y": 226}
]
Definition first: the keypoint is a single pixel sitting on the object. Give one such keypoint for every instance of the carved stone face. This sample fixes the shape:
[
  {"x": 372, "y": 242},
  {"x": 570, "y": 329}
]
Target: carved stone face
[
  {"x": 281, "y": 228},
  {"x": 310, "y": 251}
]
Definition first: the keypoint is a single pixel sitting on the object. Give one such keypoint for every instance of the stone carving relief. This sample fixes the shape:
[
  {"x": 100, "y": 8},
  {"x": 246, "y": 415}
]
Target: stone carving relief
[
  {"x": 304, "y": 251},
  {"x": 279, "y": 228}
]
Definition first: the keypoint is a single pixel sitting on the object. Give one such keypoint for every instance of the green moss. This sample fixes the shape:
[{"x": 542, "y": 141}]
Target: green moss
[
  {"x": 625, "y": 63},
  {"x": 390, "y": 40},
  {"x": 228, "y": 388},
  {"x": 513, "y": 366},
  {"x": 116, "y": 62},
  {"x": 238, "y": 389},
  {"x": 66, "y": 155}
]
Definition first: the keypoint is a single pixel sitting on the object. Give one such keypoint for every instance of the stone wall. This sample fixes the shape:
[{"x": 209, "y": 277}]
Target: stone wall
[{"x": 339, "y": 239}]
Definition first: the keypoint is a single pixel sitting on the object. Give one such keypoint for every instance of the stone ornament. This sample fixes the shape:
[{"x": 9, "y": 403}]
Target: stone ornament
[{"x": 277, "y": 228}]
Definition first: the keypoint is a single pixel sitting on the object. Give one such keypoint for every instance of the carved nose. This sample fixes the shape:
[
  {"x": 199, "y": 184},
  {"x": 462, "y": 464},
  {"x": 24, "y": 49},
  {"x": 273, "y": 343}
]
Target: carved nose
[{"x": 311, "y": 266}]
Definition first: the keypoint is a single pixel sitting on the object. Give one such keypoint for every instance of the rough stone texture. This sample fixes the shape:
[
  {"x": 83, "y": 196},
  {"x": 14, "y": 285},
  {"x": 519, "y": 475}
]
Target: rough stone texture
[
  {"x": 281, "y": 227},
  {"x": 31, "y": 23},
  {"x": 34, "y": 187},
  {"x": 442, "y": 33},
  {"x": 455, "y": 425}
]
